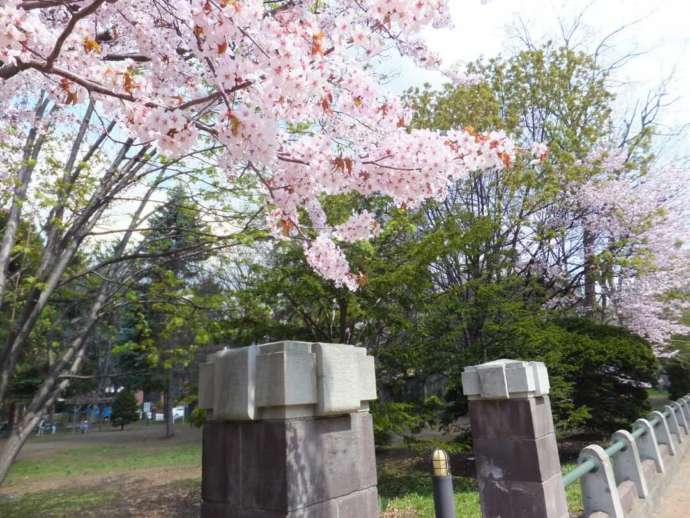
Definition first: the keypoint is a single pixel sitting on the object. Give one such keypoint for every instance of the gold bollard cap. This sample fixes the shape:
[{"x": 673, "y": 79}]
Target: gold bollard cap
[{"x": 440, "y": 463}]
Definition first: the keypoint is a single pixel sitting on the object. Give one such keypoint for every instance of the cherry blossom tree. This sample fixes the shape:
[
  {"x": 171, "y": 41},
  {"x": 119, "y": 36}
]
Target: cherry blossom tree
[
  {"x": 600, "y": 228},
  {"x": 640, "y": 223},
  {"x": 244, "y": 73},
  {"x": 281, "y": 91}
]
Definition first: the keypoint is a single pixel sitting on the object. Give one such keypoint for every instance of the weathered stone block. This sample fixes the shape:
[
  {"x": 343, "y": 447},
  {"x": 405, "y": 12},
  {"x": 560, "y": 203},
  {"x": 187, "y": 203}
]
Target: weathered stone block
[
  {"x": 524, "y": 417},
  {"x": 627, "y": 464},
  {"x": 505, "y": 379},
  {"x": 518, "y": 469},
  {"x": 222, "y": 463},
  {"x": 291, "y": 467},
  {"x": 282, "y": 380},
  {"x": 515, "y": 499},
  {"x": 337, "y": 379},
  {"x": 206, "y": 385},
  {"x": 529, "y": 460},
  {"x": 264, "y": 470},
  {"x": 233, "y": 384},
  {"x": 367, "y": 376},
  {"x": 359, "y": 504},
  {"x": 286, "y": 378},
  {"x": 599, "y": 488}
]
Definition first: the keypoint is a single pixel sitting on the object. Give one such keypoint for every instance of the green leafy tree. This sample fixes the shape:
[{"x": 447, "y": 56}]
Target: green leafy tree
[
  {"x": 499, "y": 235},
  {"x": 677, "y": 367},
  {"x": 125, "y": 409},
  {"x": 678, "y": 371},
  {"x": 463, "y": 281},
  {"x": 166, "y": 320}
]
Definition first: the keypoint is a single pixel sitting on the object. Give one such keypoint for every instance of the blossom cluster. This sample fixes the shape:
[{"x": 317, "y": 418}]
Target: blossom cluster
[
  {"x": 360, "y": 227},
  {"x": 326, "y": 258},
  {"x": 244, "y": 75},
  {"x": 646, "y": 222}
]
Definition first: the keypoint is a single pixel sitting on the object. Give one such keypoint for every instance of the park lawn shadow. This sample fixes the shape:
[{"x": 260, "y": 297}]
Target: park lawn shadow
[{"x": 131, "y": 498}]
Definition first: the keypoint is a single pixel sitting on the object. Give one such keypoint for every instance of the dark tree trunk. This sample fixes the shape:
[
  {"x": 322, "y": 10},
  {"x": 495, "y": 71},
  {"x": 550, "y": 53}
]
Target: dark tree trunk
[
  {"x": 15, "y": 441},
  {"x": 344, "y": 331},
  {"x": 11, "y": 416},
  {"x": 169, "y": 418},
  {"x": 590, "y": 272}
]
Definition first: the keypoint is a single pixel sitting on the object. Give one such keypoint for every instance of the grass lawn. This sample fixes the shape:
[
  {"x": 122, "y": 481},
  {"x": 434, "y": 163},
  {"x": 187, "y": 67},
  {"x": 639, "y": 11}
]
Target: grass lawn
[
  {"x": 91, "y": 460},
  {"x": 57, "y": 503},
  {"x": 406, "y": 491},
  {"x": 115, "y": 475},
  {"x": 658, "y": 398}
]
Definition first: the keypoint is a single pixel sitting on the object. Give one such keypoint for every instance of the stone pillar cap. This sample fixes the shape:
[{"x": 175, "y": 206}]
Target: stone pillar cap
[
  {"x": 505, "y": 379},
  {"x": 287, "y": 379}
]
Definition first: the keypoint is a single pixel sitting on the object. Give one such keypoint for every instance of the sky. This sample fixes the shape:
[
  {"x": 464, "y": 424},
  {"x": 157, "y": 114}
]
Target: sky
[{"x": 656, "y": 32}]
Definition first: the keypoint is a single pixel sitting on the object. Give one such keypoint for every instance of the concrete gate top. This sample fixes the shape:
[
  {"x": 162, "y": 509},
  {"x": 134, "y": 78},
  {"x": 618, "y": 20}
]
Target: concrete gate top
[
  {"x": 505, "y": 379},
  {"x": 282, "y": 380}
]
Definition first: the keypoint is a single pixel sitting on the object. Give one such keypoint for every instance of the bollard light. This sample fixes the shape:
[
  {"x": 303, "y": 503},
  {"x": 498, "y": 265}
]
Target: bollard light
[
  {"x": 444, "y": 500},
  {"x": 441, "y": 463}
]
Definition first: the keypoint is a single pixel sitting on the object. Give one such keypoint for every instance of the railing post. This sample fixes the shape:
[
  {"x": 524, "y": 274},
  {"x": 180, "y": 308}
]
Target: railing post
[
  {"x": 664, "y": 435},
  {"x": 289, "y": 432},
  {"x": 685, "y": 405},
  {"x": 682, "y": 421},
  {"x": 627, "y": 464},
  {"x": 599, "y": 489},
  {"x": 648, "y": 445},
  {"x": 673, "y": 425},
  {"x": 518, "y": 469}
]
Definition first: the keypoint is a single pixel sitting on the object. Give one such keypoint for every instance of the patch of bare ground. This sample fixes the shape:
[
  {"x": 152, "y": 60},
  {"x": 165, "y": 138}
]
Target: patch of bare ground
[
  {"x": 144, "y": 477},
  {"x": 145, "y": 498}
]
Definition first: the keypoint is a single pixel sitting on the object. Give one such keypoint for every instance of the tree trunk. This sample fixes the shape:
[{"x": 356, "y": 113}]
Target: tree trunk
[
  {"x": 169, "y": 418},
  {"x": 590, "y": 272},
  {"x": 69, "y": 363},
  {"x": 32, "y": 148},
  {"x": 15, "y": 441},
  {"x": 11, "y": 416},
  {"x": 61, "y": 247},
  {"x": 342, "y": 310}
]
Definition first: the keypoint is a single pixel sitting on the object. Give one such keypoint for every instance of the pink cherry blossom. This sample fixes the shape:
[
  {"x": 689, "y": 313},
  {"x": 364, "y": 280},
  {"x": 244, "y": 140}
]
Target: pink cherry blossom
[{"x": 180, "y": 73}]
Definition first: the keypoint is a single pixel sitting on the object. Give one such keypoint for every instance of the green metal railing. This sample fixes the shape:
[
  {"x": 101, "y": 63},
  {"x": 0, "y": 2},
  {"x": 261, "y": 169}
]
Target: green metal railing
[{"x": 589, "y": 465}]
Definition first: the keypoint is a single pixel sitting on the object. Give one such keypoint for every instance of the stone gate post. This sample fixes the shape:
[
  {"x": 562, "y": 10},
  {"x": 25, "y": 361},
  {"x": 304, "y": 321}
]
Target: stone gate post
[
  {"x": 289, "y": 432},
  {"x": 518, "y": 469}
]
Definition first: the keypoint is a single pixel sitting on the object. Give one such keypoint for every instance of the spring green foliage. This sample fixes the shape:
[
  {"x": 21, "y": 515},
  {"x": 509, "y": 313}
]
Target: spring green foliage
[
  {"x": 125, "y": 409},
  {"x": 402, "y": 418},
  {"x": 170, "y": 309},
  {"x": 448, "y": 286},
  {"x": 678, "y": 367},
  {"x": 55, "y": 324}
]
